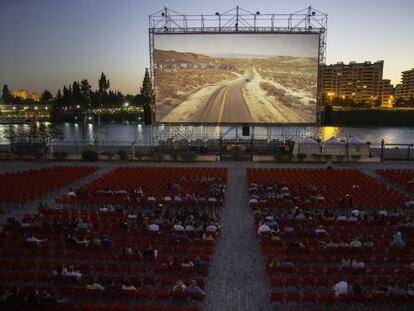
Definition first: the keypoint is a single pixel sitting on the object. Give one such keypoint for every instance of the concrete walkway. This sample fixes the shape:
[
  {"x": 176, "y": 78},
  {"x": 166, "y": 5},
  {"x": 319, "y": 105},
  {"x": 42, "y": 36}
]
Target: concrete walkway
[{"x": 237, "y": 279}]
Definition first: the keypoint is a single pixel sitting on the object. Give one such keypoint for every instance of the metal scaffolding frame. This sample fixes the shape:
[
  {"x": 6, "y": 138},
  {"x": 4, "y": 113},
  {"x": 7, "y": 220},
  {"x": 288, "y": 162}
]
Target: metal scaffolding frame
[{"x": 239, "y": 20}]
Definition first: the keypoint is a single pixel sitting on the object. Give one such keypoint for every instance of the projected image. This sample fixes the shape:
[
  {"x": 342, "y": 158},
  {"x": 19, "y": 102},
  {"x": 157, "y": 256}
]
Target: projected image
[{"x": 236, "y": 78}]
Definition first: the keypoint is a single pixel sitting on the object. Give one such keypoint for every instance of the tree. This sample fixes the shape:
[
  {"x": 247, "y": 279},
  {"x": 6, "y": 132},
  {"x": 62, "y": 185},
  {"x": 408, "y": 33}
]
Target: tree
[
  {"x": 378, "y": 102},
  {"x": 147, "y": 92},
  {"x": 46, "y": 96},
  {"x": 85, "y": 89},
  {"x": 76, "y": 93},
  {"x": 147, "y": 96},
  {"x": 67, "y": 97},
  {"x": 6, "y": 95},
  {"x": 103, "y": 83}
]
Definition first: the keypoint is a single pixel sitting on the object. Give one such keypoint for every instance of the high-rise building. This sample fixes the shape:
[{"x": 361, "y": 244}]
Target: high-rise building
[
  {"x": 361, "y": 82},
  {"x": 407, "y": 84}
]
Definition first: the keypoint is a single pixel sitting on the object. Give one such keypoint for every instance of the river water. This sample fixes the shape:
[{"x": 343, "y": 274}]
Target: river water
[{"x": 118, "y": 134}]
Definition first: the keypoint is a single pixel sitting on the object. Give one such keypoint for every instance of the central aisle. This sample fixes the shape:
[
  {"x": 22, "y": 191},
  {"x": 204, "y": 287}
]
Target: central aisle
[{"x": 237, "y": 279}]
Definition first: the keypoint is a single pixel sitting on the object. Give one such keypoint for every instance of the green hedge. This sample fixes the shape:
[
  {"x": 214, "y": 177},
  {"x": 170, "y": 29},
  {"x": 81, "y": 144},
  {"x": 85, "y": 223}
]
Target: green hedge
[{"x": 89, "y": 154}]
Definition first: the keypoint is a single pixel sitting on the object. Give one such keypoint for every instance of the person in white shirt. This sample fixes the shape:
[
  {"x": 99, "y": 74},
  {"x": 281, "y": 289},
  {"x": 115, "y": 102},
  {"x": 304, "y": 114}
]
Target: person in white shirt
[
  {"x": 167, "y": 198},
  {"x": 71, "y": 193},
  {"x": 352, "y": 218},
  {"x": 356, "y": 264},
  {"x": 212, "y": 200},
  {"x": 189, "y": 228},
  {"x": 263, "y": 228},
  {"x": 320, "y": 230},
  {"x": 178, "y": 227},
  {"x": 341, "y": 288},
  {"x": 356, "y": 213},
  {"x": 211, "y": 228},
  {"x": 341, "y": 218},
  {"x": 33, "y": 239},
  {"x": 151, "y": 198},
  {"x": 153, "y": 227},
  {"x": 70, "y": 272}
]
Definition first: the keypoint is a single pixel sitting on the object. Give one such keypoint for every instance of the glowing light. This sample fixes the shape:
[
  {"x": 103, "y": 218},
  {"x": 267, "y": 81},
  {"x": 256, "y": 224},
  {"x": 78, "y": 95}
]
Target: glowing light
[
  {"x": 35, "y": 107},
  {"x": 126, "y": 104},
  {"x": 77, "y": 106},
  {"x": 329, "y": 131}
]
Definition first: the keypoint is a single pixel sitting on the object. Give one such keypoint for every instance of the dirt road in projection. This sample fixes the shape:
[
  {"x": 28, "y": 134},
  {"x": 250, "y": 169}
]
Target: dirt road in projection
[
  {"x": 194, "y": 88},
  {"x": 226, "y": 104}
]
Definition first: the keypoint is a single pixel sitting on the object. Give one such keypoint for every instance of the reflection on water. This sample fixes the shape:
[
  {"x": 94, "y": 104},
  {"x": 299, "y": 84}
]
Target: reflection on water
[
  {"x": 124, "y": 133},
  {"x": 328, "y": 132}
]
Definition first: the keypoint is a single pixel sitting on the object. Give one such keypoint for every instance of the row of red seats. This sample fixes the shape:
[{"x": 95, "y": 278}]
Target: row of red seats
[
  {"x": 366, "y": 192},
  {"x": 403, "y": 177},
  {"x": 152, "y": 180},
  {"x": 22, "y": 187}
]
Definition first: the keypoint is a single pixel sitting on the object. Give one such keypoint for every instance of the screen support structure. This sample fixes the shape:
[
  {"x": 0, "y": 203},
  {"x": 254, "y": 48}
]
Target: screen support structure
[{"x": 239, "y": 20}]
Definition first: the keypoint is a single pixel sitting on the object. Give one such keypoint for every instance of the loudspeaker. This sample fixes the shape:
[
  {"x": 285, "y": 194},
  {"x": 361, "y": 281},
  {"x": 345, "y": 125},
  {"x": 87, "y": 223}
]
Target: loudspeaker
[{"x": 246, "y": 130}]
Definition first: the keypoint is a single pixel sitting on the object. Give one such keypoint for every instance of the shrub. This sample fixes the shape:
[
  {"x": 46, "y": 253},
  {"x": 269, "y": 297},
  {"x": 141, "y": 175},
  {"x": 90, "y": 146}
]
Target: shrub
[
  {"x": 174, "y": 156},
  {"x": 156, "y": 156},
  {"x": 317, "y": 156},
  {"x": 123, "y": 155},
  {"x": 355, "y": 157},
  {"x": 60, "y": 155},
  {"x": 327, "y": 157},
  {"x": 89, "y": 154},
  {"x": 340, "y": 157},
  {"x": 301, "y": 156},
  {"x": 138, "y": 155},
  {"x": 188, "y": 156},
  {"x": 282, "y": 156},
  {"x": 109, "y": 154},
  {"x": 6, "y": 155}
]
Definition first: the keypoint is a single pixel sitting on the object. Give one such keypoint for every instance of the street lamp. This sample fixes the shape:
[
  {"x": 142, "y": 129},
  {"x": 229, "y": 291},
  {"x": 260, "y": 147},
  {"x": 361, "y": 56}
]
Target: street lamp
[
  {"x": 126, "y": 104},
  {"x": 219, "y": 17}
]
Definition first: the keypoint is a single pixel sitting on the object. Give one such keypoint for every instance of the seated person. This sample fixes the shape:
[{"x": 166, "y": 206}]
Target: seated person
[
  {"x": 71, "y": 193},
  {"x": 368, "y": 243},
  {"x": 356, "y": 289},
  {"x": 128, "y": 286},
  {"x": 33, "y": 239},
  {"x": 397, "y": 239},
  {"x": 194, "y": 288},
  {"x": 71, "y": 272},
  {"x": 355, "y": 243},
  {"x": 154, "y": 227},
  {"x": 263, "y": 228},
  {"x": 341, "y": 288},
  {"x": 320, "y": 230},
  {"x": 179, "y": 287},
  {"x": 95, "y": 286},
  {"x": 187, "y": 263},
  {"x": 346, "y": 262},
  {"x": 207, "y": 237},
  {"x": 357, "y": 264}
]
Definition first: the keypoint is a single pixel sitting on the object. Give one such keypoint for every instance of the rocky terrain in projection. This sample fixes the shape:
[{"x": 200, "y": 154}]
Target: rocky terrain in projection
[{"x": 192, "y": 88}]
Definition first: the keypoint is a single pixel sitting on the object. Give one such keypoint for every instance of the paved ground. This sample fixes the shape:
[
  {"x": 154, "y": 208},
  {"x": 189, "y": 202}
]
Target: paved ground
[{"x": 237, "y": 279}]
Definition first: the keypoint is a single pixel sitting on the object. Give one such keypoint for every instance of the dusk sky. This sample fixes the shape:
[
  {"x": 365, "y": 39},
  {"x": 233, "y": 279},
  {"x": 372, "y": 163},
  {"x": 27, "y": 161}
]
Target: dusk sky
[{"x": 48, "y": 43}]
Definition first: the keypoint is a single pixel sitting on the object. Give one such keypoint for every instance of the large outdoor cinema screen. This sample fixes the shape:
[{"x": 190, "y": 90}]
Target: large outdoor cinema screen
[{"x": 236, "y": 78}]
